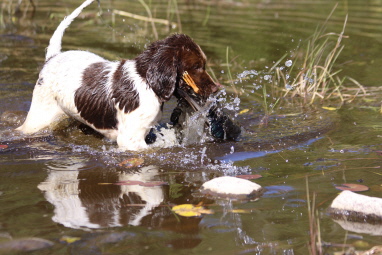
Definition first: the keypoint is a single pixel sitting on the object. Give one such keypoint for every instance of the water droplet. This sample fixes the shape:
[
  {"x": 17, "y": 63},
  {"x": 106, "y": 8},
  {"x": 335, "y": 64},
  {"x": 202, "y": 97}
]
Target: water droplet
[
  {"x": 288, "y": 63},
  {"x": 267, "y": 77}
]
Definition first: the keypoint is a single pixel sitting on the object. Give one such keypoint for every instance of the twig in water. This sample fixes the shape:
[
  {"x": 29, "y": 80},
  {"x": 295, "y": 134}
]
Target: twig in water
[{"x": 143, "y": 18}]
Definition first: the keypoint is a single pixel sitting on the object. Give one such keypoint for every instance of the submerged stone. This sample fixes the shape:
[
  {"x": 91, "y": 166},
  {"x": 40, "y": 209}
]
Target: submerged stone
[{"x": 25, "y": 244}]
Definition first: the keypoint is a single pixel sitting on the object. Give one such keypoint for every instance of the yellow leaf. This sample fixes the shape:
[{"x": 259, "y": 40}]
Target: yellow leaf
[
  {"x": 189, "y": 210},
  {"x": 239, "y": 211},
  {"x": 69, "y": 239},
  {"x": 244, "y": 111},
  {"x": 329, "y": 108}
]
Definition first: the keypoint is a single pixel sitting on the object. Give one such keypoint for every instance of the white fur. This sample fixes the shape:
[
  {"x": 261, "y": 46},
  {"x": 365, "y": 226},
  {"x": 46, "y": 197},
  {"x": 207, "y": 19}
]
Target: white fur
[{"x": 53, "y": 96}]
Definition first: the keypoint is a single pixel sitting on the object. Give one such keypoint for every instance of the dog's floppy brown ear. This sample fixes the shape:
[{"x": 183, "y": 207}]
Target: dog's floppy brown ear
[{"x": 162, "y": 74}]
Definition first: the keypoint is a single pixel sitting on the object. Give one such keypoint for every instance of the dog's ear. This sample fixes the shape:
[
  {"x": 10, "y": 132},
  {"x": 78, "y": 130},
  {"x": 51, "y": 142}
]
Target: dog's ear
[{"x": 162, "y": 74}]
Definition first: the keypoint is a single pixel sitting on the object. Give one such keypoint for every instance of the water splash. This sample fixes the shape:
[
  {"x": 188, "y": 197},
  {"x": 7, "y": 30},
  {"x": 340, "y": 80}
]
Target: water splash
[{"x": 288, "y": 63}]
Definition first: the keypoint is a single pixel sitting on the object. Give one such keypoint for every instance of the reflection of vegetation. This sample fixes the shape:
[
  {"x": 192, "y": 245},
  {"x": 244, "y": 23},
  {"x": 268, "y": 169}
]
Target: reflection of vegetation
[
  {"x": 172, "y": 8},
  {"x": 315, "y": 244},
  {"x": 13, "y": 8},
  {"x": 176, "y": 190}
]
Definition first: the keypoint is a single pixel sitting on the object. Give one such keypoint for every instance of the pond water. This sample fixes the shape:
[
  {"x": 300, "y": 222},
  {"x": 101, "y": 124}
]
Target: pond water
[{"x": 65, "y": 186}]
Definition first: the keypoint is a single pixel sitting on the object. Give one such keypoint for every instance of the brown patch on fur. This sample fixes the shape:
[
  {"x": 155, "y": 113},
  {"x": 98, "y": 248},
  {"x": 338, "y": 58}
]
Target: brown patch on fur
[
  {"x": 124, "y": 91},
  {"x": 91, "y": 100}
]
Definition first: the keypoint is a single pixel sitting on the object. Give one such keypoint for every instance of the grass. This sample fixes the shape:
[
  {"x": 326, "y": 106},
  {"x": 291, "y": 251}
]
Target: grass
[
  {"x": 317, "y": 77},
  {"x": 310, "y": 75}
]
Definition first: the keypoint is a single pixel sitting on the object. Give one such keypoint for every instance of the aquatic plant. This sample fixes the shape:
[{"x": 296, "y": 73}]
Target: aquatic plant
[
  {"x": 315, "y": 75},
  {"x": 308, "y": 75}
]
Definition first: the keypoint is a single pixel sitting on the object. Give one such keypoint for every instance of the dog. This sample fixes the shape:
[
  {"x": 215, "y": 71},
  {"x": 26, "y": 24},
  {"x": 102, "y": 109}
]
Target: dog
[{"x": 122, "y": 99}]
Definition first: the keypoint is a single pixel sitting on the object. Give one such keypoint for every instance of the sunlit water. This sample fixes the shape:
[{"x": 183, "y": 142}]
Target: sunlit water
[{"x": 67, "y": 183}]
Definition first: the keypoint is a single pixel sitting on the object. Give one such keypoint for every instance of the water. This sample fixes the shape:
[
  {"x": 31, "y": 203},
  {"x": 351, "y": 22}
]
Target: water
[{"x": 68, "y": 184}]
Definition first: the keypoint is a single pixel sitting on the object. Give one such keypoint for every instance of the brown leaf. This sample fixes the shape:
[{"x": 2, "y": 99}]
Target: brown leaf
[
  {"x": 128, "y": 183},
  {"x": 352, "y": 187},
  {"x": 131, "y": 162},
  {"x": 249, "y": 176}
]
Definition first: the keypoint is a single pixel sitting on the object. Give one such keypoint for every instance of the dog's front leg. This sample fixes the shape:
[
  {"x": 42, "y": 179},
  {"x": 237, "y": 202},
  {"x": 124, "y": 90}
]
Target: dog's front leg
[
  {"x": 132, "y": 139},
  {"x": 133, "y": 128}
]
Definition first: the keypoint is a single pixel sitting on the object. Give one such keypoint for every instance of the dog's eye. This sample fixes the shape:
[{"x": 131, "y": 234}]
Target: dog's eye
[{"x": 199, "y": 67}]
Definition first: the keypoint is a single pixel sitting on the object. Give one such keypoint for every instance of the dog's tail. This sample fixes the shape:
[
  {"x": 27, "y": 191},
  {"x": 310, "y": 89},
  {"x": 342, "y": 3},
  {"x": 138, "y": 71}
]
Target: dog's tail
[{"x": 55, "y": 42}]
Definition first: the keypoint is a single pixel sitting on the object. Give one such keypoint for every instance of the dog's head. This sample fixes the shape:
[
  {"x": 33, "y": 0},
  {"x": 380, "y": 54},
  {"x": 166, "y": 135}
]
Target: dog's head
[{"x": 176, "y": 62}]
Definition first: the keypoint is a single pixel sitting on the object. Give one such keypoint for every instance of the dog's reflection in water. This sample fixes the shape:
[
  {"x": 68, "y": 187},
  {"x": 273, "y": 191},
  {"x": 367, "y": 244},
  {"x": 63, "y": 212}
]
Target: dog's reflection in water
[{"x": 85, "y": 199}]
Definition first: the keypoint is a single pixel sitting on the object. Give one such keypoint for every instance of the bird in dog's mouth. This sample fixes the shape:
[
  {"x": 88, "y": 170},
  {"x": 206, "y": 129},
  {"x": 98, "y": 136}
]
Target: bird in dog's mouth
[
  {"x": 190, "y": 102},
  {"x": 191, "y": 94}
]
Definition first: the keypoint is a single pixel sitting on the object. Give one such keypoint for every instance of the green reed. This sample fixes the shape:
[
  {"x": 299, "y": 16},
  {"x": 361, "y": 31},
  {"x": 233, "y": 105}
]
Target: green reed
[{"x": 315, "y": 73}]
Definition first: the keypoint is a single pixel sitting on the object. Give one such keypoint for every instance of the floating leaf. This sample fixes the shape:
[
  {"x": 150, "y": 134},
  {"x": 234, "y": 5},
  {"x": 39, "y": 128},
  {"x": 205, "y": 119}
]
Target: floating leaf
[
  {"x": 244, "y": 111},
  {"x": 329, "y": 108},
  {"x": 132, "y": 162},
  {"x": 352, "y": 187},
  {"x": 69, "y": 239},
  {"x": 240, "y": 211},
  {"x": 249, "y": 176},
  {"x": 189, "y": 210},
  {"x": 3, "y": 146},
  {"x": 128, "y": 183},
  {"x": 361, "y": 244}
]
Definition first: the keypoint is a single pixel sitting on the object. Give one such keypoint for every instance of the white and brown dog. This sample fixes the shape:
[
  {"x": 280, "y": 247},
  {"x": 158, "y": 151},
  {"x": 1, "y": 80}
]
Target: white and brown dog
[{"x": 120, "y": 99}]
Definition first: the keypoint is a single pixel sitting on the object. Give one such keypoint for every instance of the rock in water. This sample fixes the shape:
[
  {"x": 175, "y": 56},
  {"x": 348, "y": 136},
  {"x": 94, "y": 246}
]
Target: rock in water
[
  {"x": 232, "y": 187},
  {"x": 356, "y": 207}
]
